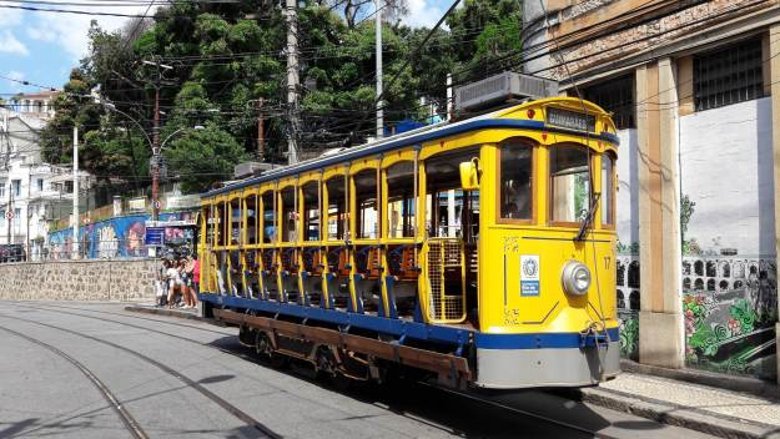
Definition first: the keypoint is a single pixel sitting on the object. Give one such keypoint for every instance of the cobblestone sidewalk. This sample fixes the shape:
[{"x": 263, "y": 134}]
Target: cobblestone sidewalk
[{"x": 708, "y": 409}]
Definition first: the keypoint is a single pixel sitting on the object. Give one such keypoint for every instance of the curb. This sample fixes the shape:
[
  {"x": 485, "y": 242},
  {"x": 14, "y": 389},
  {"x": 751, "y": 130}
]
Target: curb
[
  {"x": 164, "y": 312},
  {"x": 665, "y": 413},
  {"x": 753, "y": 386}
]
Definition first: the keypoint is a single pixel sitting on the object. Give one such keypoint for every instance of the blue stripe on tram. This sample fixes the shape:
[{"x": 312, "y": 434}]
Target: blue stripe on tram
[{"x": 415, "y": 330}]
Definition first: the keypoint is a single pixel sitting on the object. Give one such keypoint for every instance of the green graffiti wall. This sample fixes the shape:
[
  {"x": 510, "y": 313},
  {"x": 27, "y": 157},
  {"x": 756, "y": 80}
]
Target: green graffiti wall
[{"x": 730, "y": 310}]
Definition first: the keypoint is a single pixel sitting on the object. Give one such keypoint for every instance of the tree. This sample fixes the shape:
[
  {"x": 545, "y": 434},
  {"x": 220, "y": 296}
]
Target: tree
[{"x": 201, "y": 157}]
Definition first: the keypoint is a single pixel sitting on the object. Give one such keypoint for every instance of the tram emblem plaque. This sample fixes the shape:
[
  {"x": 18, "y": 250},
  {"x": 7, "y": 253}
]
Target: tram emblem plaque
[{"x": 529, "y": 275}]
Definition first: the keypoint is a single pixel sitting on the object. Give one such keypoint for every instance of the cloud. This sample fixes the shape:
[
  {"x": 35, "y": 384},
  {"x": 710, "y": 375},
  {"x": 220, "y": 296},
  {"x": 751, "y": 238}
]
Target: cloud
[
  {"x": 16, "y": 76},
  {"x": 9, "y": 44},
  {"x": 45, "y": 35},
  {"x": 69, "y": 31},
  {"x": 423, "y": 13},
  {"x": 10, "y": 18}
]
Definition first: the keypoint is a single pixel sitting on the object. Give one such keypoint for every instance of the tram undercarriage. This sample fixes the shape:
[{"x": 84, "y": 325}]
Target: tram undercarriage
[{"x": 337, "y": 354}]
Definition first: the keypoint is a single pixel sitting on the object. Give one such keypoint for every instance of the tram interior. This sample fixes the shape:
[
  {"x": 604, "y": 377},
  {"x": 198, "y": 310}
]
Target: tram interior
[{"x": 295, "y": 270}]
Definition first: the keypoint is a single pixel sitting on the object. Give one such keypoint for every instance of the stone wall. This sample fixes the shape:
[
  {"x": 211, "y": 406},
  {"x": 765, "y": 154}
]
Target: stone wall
[{"x": 93, "y": 280}]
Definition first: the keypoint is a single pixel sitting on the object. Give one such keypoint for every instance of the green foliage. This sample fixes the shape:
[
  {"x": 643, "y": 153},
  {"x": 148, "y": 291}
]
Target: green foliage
[
  {"x": 203, "y": 156},
  {"x": 744, "y": 315},
  {"x": 687, "y": 207},
  {"x": 629, "y": 337}
]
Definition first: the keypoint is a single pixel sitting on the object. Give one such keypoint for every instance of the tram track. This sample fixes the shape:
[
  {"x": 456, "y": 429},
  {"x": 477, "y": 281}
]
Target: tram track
[
  {"x": 230, "y": 408},
  {"x": 244, "y": 356},
  {"x": 128, "y": 420}
]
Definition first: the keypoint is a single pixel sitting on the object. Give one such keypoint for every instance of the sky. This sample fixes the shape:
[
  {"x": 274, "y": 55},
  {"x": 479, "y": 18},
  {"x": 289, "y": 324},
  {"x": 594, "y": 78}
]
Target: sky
[{"x": 43, "y": 47}]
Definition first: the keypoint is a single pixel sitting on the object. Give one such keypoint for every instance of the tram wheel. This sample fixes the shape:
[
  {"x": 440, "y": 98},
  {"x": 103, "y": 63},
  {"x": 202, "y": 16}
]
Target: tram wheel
[
  {"x": 265, "y": 351},
  {"x": 325, "y": 363}
]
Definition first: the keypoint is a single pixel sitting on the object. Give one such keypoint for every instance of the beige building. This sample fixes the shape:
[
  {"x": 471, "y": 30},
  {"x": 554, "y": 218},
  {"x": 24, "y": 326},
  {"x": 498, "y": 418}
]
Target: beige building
[{"x": 695, "y": 88}]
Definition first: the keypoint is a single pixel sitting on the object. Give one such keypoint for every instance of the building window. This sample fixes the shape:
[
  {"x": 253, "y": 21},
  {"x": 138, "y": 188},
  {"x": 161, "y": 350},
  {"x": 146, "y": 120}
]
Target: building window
[
  {"x": 16, "y": 187},
  {"x": 728, "y": 76},
  {"x": 617, "y": 97},
  {"x": 40, "y": 185},
  {"x": 69, "y": 187},
  {"x": 2, "y": 190}
]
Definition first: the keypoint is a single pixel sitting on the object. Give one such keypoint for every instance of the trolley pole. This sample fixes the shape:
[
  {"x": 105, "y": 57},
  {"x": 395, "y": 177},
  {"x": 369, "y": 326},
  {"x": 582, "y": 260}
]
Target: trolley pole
[
  {"x": 75, "y": 243},
  {"x": 292, "y": 81},
  {"x": 380, "y": 123}
]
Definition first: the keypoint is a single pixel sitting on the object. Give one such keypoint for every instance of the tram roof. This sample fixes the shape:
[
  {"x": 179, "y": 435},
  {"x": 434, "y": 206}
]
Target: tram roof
[{"x": 406, "y": 139}]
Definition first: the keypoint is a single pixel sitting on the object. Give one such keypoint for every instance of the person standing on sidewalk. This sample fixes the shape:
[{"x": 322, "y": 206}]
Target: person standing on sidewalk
[{"x": 193, "y": 265}]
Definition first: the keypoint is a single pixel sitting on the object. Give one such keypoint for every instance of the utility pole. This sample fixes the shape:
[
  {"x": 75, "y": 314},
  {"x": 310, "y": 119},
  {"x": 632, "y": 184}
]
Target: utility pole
[
  {"x": 10, "y": 210},
  {"x": 75, "y": 244},
  {"x": 154, "y": 164},
  {"x": 260, "y": 131},
  {"x": 292, "y": 81},
  {"x": 449, "y": 97},
  {"x": 8, "y": 172},
  {"x": 380, "y": 123}
]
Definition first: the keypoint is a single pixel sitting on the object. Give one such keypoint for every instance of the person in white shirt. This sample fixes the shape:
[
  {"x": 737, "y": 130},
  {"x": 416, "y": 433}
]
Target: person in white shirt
[{"x": 174, "y": 281}]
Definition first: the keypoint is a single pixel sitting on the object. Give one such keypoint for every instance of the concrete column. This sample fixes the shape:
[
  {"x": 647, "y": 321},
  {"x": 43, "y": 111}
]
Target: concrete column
[
  {"x": 661, "y": 330},
  {"x": 774, "y": 74}
]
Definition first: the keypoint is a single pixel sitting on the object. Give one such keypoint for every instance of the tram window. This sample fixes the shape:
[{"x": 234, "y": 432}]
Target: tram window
[
  {"x": 569, "y": 183},
  {"x": 250, "y": 203},
  {"x": 607, "y": 189},
  {"x": 311, "y": 211},
  {"x": 269, "y": 218},
  {"x": 366, "y": 216},
  {"x": 289, "y": 215},
  {"x": 336, "y": 208},
  {"x": 206, "y": 216},
  {"x": 236, "y": 222},
  {"x": 516, "y": 175},
  {"x": 400, "y": 201},
  {"x": 219, "y": 216},
  {"x": 449, "y": 208}
]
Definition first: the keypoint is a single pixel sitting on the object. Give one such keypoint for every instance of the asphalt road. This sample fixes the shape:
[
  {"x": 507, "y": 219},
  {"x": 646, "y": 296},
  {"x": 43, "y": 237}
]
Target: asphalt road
[{"x": 97, "y": 371}]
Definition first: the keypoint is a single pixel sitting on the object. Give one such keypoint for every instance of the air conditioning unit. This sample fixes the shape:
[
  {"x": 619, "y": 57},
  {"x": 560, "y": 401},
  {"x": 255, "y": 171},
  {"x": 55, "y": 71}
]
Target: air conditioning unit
[
  {"x": 248, "y": 169},
  {"x": 502, "y": 88}
]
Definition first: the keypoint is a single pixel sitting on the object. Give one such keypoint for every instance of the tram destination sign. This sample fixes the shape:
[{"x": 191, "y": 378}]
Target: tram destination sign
[{"x": 570, "y": 119}]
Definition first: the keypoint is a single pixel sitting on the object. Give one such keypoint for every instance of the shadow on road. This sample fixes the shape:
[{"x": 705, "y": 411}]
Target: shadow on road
[{"x": 531, "y": 413}]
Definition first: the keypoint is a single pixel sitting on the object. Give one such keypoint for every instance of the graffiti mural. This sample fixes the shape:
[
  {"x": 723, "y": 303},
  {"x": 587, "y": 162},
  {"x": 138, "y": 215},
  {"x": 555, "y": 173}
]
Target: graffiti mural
[
  {"x": 730, "y": 310},
  {"x": 628, "y": 304},
  {"x": 118, "y": 237}
]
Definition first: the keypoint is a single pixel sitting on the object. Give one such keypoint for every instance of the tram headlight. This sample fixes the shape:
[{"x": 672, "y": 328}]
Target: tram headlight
[{"x": 576, "y": 278}]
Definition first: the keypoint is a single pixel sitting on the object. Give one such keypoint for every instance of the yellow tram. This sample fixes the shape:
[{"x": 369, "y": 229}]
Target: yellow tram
[{"x": 481, "y": 252}]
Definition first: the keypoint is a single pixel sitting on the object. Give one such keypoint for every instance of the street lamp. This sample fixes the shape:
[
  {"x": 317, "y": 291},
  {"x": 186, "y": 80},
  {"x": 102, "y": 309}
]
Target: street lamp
[
  {"x": 196, "y": 128},
  {"x": 155, "y": 168},
  {"x": 154, "y": 164}
]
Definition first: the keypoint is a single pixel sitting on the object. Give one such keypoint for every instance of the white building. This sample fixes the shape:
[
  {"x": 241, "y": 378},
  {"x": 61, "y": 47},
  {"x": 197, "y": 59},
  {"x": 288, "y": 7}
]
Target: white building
[{"x": 31, "y": 192}]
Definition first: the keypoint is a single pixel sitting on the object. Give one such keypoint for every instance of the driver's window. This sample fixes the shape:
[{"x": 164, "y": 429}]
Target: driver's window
[
  {"x": 516, "y": 167},
  {"x": 569, "y": 183}
]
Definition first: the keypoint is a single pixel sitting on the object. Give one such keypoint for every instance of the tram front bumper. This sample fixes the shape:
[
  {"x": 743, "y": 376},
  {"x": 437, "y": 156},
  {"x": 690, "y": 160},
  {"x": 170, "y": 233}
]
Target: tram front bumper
[{"x": 547, "y": 367}]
